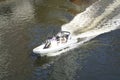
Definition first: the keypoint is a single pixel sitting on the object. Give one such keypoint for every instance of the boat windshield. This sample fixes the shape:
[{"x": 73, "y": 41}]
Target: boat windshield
[
  {"x": 63, "y": 33},
  {"x": 47, "y": 44}
]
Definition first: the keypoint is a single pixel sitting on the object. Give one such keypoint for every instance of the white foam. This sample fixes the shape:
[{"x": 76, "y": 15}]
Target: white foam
[
  {"x": 91, "y": 24},
  {"x": 106, "y": 27},
  {"x": 90, "y": 18}
]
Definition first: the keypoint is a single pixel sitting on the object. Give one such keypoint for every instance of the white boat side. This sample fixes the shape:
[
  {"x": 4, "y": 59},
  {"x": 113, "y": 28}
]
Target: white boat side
[{"x": 40, "y": 49}]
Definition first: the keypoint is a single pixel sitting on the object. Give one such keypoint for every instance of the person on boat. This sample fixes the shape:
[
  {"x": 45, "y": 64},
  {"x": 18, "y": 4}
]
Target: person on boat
[
  {"x": 63, "y": 39},
  {"x": 60, "y": 38},
  {"x": 63, "y": 36}
]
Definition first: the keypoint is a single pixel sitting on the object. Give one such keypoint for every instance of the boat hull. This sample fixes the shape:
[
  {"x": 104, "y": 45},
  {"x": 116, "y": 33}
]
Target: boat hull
[{"x": 51, "y": 51}]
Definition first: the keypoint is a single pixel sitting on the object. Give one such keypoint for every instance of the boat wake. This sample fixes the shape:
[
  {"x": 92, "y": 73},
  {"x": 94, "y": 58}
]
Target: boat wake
[{"x": 99, "y": 18}]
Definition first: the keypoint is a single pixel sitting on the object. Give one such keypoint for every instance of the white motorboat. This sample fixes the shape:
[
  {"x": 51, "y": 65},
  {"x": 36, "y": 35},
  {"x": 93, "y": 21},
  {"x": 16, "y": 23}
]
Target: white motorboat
[{"x": 57, "y": 43}]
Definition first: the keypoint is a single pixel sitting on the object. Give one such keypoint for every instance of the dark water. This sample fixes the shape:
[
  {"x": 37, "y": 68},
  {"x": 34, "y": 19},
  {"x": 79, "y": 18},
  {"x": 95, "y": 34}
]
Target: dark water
[{"x": 25, "y": 24}]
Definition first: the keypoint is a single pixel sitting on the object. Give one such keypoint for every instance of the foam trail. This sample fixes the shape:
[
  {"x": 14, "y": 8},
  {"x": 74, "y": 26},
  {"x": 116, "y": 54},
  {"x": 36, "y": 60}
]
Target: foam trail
[
  {"x": 108, "y": 26},
  {"x": 89, "y": 19},
  {"x": 99, "y": 18}
]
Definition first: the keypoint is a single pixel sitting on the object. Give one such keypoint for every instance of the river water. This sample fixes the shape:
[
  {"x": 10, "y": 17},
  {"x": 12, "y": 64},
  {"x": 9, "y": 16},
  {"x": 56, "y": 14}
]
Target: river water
[{"x": 25, "y": 24}]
